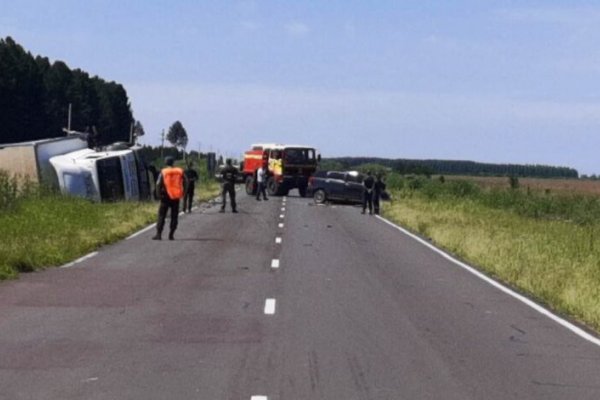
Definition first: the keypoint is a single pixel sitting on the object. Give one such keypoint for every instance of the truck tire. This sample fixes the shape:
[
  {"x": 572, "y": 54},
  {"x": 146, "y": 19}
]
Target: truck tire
[
  {"x": 319, "y": 196},
  {"x": 250, "y": 186},
  {"x": 273, "y": 188}
]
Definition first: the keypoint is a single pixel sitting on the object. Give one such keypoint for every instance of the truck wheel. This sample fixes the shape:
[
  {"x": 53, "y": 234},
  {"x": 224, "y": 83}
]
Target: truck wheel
[
  {"x": 250, "y": 186},
  {"x": 320, "y": 196},
  {"x": 272, "y": 187}
]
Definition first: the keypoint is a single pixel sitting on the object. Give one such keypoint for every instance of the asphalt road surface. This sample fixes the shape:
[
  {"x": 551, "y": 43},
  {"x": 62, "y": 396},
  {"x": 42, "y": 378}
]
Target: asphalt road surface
[{"x": 283, "y": 301}]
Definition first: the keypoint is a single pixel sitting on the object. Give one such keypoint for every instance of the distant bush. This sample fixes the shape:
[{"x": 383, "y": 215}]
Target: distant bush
[
  {"x": 581, "y": 209},
  {"x": 462, "y": 188},
  {"x": 394, "y": 181}
]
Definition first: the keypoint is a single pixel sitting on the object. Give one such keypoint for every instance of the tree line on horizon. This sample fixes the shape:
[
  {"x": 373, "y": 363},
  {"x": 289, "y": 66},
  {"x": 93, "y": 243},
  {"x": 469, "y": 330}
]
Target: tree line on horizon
[
  {"x": 35, "y": 95},
  {"x": 452, "y": 167}
]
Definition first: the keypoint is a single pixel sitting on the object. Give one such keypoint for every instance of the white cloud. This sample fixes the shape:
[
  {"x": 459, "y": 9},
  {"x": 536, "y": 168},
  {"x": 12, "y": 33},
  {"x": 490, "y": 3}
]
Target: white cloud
[
  {"x": 296, "y": 28},
  {"x": 254, "y": 103},
  {"x": 228, "y": 118}
]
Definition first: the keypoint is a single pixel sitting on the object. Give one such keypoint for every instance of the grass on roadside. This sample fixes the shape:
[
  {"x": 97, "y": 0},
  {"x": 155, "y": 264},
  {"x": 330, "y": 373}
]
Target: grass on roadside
[
  {"x": 555, "y": 260},
  {"x": 39, "y": 229}
]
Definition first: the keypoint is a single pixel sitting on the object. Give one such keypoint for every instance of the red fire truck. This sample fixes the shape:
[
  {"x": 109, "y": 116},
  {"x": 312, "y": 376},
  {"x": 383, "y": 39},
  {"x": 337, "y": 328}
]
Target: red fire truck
[{"x": 290, "y": 166}]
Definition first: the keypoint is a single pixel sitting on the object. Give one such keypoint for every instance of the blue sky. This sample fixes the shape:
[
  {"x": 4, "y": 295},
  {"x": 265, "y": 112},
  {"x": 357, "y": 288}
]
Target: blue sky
[{"x": 491, "y": 81}]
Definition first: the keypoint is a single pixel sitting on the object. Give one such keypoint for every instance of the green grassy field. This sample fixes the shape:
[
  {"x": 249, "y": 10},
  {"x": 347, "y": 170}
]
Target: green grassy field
[
  {"x": 545, "y": 246},
  {"x": 39, "y": 230}
]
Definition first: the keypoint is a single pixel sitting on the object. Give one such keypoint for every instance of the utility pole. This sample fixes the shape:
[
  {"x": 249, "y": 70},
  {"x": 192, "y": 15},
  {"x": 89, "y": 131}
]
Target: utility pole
[
  {"x": 69, "y": 121},
  {"x": 131, "y": 139}
]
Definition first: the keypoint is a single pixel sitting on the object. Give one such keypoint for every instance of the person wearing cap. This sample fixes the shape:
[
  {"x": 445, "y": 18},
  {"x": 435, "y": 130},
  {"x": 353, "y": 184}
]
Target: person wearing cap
[
  {"x": 170, "y": 189},
  {"x": 228, "y": 176}
]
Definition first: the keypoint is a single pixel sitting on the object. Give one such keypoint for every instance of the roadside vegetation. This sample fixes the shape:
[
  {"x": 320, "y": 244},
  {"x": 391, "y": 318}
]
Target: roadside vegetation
[
  {"x": 543, "y": 242},
  {"x": 40, "y": 228}
]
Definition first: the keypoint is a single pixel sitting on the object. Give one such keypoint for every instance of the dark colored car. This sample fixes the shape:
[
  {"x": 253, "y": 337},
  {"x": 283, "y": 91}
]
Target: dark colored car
[{"x": 343, "y": 186}]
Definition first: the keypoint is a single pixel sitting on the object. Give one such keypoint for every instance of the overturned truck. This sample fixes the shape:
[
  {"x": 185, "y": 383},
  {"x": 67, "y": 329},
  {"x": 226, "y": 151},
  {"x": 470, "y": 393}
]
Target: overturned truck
[{"x": 111, "y": 173}]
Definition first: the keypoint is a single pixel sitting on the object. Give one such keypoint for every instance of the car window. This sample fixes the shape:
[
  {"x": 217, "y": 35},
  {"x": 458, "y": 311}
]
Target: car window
[
  {"x": 336, "y": 175},
  {"x": 354, "y": 178}
]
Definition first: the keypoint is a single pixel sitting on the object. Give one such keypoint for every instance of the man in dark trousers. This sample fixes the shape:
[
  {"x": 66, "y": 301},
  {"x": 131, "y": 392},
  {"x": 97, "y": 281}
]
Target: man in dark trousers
[
  {"x": 378, "y": 189},
  {"x": 191, "y": 176},
  {"x": 228, "y": 176},
  {"x": 368, "y": 184},
  {"x": 170, "y": 187}
]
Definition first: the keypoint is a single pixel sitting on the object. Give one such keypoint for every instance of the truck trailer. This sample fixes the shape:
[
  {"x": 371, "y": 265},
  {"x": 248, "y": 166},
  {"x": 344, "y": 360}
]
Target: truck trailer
[{"x": 112, "y": 173}]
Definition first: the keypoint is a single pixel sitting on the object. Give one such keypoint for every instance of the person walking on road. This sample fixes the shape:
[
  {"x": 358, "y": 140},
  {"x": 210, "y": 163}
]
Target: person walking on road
[
  {"x": 261, "y": 180},
  {"x": 228, "y": 176},
  {"x": 192, "y": 176},
  {"x": 368, "y": 184},
  {"x": 170, "y": 187},
  {"x": 378, "y": 189}
]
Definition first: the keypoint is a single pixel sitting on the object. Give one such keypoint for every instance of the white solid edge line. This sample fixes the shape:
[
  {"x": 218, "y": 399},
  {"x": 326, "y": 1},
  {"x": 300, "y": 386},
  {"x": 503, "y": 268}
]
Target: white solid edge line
[
  {"x": 270, "y": 306},
  {"x": 275, "y": 263},
  {"x": 566, "y": 324},
  {"x": 146, "y": 229},
  {"x": 80, "y": 259}
]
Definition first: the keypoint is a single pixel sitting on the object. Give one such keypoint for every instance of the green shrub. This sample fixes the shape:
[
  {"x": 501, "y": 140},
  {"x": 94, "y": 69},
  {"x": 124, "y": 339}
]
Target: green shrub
[
  {"x": 8, "y": 191},
  {"x": 394, "y": 181},
  {"x": 462, "y": 188}
]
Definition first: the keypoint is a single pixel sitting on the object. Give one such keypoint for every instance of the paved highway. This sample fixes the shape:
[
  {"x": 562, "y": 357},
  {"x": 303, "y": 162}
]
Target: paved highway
[{"x": 283, "y": 301}]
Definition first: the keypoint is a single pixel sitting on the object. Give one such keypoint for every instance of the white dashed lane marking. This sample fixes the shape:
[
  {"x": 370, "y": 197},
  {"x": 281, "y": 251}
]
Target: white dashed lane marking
[
  {"x": 259, "y": 398},
  {"x": 281, "y": 216},
  {"x": 281, "y": 225},
  {"x": 270, "y": 306},
  {"x": 278, "y": 240},
  {"x": 275, "y": 263}
]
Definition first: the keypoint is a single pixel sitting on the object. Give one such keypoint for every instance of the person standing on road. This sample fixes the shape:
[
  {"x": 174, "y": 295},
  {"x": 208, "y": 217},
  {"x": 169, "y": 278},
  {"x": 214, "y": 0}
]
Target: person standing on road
[
  {"x": 170, "y": 188},
  {"x": 261, "y": 181},
  {"x": 378, "y": 189},
  {"x": 192, "y": 176},
  {"x": 368, "y": 184},
  {"x": 228, "y": 176}
]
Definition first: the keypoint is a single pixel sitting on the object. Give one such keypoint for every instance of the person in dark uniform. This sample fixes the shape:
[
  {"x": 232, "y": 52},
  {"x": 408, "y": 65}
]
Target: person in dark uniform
[
  {"x": 368, "y": 184},
  {"x": 191, "y": 176},
  {"x": 154, "y": 173},
  {"x": 378, "y": 189},
  {"x": 228, "y": 176},
  {"x": 170, "y": 187}
]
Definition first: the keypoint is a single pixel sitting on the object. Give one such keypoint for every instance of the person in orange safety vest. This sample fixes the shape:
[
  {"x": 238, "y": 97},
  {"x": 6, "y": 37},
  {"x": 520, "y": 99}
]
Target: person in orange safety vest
[{"x": 170, "y": 186}]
